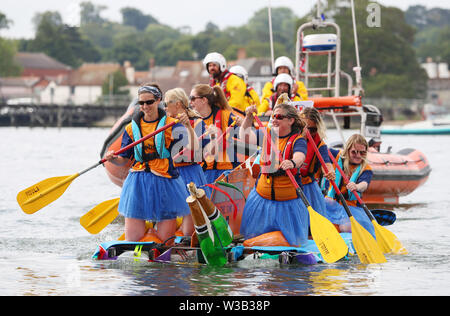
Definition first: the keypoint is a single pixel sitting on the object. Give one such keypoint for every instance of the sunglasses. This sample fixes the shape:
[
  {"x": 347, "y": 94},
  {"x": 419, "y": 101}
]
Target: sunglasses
[
  {"x": 148, "y": 102},
  {"x": 361, "y": 152},
  {"x": 280, "y": 116},
  {"x": 193, "y": 98},
  {"x": 312, "y": 129}
]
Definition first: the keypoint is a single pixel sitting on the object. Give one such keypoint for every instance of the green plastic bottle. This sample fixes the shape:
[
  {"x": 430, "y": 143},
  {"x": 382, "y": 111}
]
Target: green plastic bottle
[
  {"x": 213, "y": 253},
  {"x": 222, "y": 228}
]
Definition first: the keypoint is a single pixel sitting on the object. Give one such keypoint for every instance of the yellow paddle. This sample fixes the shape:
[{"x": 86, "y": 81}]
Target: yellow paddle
[
  {"x": 100, "y": 216},
  {"x": 325, "y": 235},
  {"x": 103, "y": 214},
  {"x": 365, "y": 245},
  {"x": 387, "y": 241},
  {"x": 35, "y": 197}
]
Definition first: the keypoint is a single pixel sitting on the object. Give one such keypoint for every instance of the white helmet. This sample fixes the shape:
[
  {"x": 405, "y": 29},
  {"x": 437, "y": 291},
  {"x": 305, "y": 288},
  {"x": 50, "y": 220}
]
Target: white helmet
[
  {"x": 240, "y": 71},
  {"x": 283, "y": 61},
  {"x": 215, "y": 58},
  {"x": 283, "y": 78}
]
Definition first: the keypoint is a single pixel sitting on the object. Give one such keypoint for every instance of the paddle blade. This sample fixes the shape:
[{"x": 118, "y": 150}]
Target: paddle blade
[
  {"x": 327, "y": 238},
  {"x": 365, "y": 245},
  {"x": 35, "y": 197},
  {"x": 387, "y": 241},
  {"x": 384, "y": 217},
  {"x": 100, "y": 216}
]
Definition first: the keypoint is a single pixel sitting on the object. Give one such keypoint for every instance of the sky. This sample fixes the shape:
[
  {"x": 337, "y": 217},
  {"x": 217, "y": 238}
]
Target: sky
[{"x": 175, "y": 13}]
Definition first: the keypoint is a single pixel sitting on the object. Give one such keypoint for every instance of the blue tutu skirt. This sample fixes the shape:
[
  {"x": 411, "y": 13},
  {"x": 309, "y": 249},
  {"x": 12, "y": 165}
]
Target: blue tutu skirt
[
  {"x": 212, "y": 174},
  {"x": 194, "y": 173},
  {"x": 262, "y": 216},
  {"x": 149, "y": 197},
  {"x": 315, "y": 197},
  {"x": 335, "y": 212}
]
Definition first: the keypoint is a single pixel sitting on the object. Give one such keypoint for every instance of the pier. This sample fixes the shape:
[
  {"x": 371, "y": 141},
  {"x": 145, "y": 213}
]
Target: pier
[{"x": 58, "y": 115}]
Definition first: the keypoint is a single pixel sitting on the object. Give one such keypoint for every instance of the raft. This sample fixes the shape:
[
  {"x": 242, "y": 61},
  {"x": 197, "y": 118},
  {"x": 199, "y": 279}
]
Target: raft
[{"x": 180, "y": 253}]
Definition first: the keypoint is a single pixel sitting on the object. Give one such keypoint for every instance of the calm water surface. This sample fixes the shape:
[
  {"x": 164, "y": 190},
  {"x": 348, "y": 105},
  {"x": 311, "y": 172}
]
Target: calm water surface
[{"x": 48, "y": 252}]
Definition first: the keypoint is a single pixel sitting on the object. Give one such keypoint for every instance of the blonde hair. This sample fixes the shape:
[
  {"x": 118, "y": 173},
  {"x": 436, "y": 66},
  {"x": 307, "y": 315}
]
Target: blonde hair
[
  {"x": 179, "y": 95},
  {"x": 314, "y": 115},
  {"x": 354, "y": 139},
  {"x": 291, "y": 112},
  {"x": 214, "y": 95}
]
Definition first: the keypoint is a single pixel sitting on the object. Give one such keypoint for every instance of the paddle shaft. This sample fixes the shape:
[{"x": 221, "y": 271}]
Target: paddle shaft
[
  {"x": 121, "y": 150},
  {"x": 324, "y": 166},
  {"x": 346, "y": 180},
  {"x": 185, "y": 148},
  {"x": 288, "y": 172},
  {"x": 386, "y": 240},
  {"x": 159, "y": 130},
  {"x": 39, "y": 195},
  {"x": 226, "y": 132}
]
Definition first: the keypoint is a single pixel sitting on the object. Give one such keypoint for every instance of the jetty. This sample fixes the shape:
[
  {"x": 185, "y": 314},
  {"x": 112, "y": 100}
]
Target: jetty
[{"x": 52, "y": 115}]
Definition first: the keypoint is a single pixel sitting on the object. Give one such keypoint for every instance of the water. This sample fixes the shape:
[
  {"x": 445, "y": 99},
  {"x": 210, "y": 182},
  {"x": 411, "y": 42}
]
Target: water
[{"x": 48, "y": 252}]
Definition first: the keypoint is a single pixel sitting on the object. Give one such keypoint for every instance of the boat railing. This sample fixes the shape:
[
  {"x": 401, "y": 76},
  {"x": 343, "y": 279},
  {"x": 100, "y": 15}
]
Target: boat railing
[{"x": 336, "y": 106}]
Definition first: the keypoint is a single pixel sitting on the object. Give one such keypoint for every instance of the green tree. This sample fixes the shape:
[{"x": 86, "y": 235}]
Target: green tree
[
  {"x": 388, "y": 61},
  {"x": 115, "y": 84},
  {"x": 90, "y": 13},
  {"x": 283, "y": 27},
  {"x": 433, "y": 42},
  {"x": 8, "y": 66},
  {"x": 62, "y": 42},
  {"x": 4, "y": 22},
  {"x": 134, "y": 17},
  {"x": 168, "y": 52}
]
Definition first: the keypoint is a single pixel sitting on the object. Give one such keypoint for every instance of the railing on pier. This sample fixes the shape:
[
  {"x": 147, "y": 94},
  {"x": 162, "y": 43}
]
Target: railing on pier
[{"x": 57, "y": 115}]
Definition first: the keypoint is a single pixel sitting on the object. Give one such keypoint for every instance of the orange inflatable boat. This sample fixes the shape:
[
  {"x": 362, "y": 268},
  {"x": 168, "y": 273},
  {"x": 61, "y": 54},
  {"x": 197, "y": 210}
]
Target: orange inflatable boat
[{"x": 396, "y": 175}]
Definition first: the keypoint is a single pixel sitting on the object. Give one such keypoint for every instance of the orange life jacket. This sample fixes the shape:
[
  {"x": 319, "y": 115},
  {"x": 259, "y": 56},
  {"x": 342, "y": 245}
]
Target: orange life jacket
[
  {"x": 307, "y": 170},
  {"x": 274, "y": 184},
  {"x": 221, "y": 118}
]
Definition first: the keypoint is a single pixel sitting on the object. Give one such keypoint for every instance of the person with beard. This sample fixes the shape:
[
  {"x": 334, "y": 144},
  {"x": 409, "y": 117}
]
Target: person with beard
[{"x": 233, "y": 87}]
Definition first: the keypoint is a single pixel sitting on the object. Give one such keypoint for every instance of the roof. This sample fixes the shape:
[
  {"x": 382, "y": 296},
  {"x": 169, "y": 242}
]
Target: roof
[
  {"x": 154, "y": 75},
  {"x": 91, "y": 74},
  {"x": 19, "y": 81},
  {"x": 184, "y": 75},
  {"x": 254, "y": 66},
  {"x": 39, "y": 61}
]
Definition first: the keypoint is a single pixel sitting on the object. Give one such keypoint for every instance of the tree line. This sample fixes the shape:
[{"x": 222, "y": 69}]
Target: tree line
[{"x": 390, "y": 54}]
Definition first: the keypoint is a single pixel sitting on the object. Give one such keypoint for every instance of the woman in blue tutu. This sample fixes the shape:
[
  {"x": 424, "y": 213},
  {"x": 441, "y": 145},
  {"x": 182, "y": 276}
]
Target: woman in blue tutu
[
  {"x": 352, "y": 160},
  {"x": 153, "y": 190},
  {"x": 273, "y": 205},
  {"x": 219, "y": 155},
  {"x": 311, "y": 169},
  {"x": 186, "y": 163}
]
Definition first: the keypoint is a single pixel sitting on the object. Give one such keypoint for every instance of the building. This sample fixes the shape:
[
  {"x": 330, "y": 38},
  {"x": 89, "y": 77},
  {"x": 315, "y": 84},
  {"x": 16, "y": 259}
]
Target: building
[
  {"x": 184, "y": 75},
  {"x": 80, "y": 86},
  {"x": 40, "y": 65},
  {"x": 438, "y": 82},
  {"x": 19, "y": 89},
  {"x": 259, "y": 71}
]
